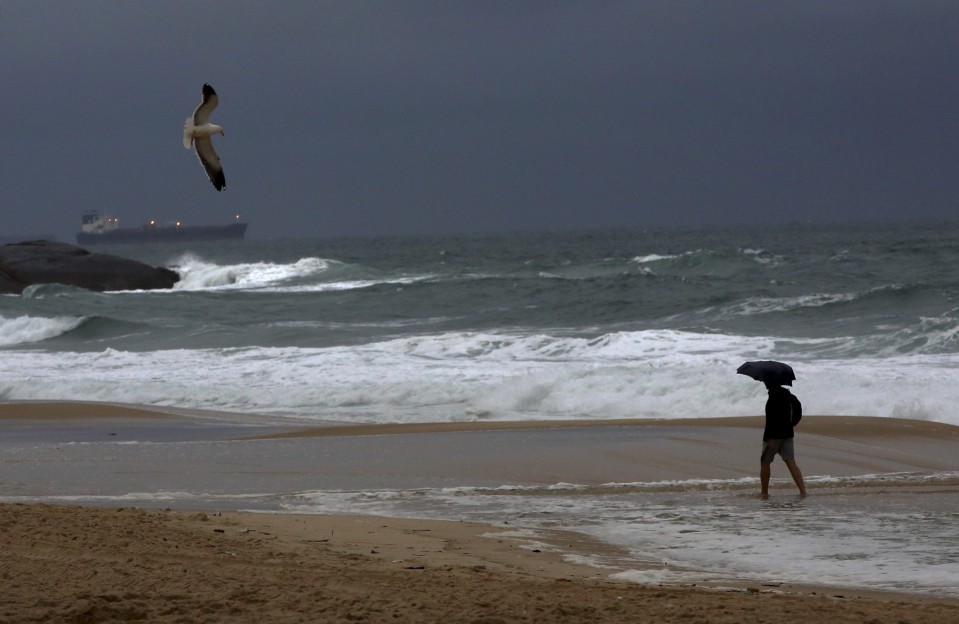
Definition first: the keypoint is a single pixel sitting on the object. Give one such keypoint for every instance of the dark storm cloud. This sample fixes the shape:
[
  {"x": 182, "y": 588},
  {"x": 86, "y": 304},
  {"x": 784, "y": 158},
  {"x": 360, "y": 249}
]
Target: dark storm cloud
[{"x": 349, "y": 117}]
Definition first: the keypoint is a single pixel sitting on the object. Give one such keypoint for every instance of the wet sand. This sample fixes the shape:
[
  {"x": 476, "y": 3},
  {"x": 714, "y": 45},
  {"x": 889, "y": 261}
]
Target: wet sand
[
  {"x": 45, "y": 454},
  {"x": 89, "y": 564}
]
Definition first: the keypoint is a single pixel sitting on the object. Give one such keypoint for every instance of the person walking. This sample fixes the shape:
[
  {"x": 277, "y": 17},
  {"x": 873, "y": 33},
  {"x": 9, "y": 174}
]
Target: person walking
[{"x": 778, "y": 438}]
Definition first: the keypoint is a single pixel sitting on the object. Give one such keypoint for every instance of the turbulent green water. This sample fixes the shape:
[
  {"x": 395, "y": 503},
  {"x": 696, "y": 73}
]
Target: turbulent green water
[{"x": 596, "y": 324}]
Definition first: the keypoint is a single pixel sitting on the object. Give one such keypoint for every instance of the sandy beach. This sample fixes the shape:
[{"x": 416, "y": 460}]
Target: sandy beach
[
  {"x": 80, "y": 564},
  {"x": 175, "y": 563}
]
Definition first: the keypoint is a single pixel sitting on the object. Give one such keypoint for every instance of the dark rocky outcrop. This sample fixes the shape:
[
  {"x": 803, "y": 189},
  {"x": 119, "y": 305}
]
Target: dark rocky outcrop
[{"x": 52, "y": 262}]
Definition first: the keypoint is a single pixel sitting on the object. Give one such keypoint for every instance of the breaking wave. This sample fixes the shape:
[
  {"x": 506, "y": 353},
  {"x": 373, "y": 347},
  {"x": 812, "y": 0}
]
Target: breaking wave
[{"x": 27, "y": 329}]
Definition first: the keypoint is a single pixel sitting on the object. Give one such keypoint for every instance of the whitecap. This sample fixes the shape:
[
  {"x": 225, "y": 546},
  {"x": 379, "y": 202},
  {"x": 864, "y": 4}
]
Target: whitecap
[
  {"x": 197, "y": 274},
  {"x": 26, "y": 329}
]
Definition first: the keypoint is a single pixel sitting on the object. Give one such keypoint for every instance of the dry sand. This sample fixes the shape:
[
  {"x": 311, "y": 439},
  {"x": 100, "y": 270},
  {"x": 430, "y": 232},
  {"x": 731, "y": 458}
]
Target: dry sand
[{"x": 82, "y": 564}]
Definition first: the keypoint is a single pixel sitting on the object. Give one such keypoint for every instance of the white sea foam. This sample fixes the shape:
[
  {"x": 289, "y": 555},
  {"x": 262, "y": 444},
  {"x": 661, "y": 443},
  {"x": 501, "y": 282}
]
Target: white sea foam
[
  {"x": 197, "y": 274},
  {"x": 465, "y": 376},
  {"x": 655, "y": 258},
  {"x": 768, "y": 305},
  {"x": 26, "y": 329},
  {"x": 346, "y": 285}
]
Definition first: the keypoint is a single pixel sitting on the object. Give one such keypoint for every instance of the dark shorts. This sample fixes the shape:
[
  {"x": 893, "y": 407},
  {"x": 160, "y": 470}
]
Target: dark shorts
[{"x": 782, "y": 447}]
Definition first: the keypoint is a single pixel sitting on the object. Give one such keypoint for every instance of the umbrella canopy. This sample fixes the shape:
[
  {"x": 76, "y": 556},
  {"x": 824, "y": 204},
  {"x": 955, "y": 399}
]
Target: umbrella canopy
[{"x": 768, "y": 371}]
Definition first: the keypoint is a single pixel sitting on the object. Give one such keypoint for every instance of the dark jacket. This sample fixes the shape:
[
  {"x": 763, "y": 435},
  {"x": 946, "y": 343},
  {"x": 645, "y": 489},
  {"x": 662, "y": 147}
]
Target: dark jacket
[{"x": 778, "y": 415}]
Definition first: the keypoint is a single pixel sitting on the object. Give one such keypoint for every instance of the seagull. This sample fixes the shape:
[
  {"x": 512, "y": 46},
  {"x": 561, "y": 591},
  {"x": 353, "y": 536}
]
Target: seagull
[{"x": 198, "y": 133}]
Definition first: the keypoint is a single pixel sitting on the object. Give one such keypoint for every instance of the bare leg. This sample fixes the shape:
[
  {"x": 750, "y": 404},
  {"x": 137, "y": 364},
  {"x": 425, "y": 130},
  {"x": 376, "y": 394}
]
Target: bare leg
[
  {"x": 764, "y": 470},
  {"x": 797, "y": 476}
]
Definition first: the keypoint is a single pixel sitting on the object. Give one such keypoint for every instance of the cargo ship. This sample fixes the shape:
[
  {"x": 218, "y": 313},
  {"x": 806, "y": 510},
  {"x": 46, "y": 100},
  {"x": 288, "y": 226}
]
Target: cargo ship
[{"x": 99, "y": 228}]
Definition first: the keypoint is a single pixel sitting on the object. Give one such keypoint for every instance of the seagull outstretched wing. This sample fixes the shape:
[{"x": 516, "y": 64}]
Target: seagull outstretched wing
[{"x": 198, "y": 133}]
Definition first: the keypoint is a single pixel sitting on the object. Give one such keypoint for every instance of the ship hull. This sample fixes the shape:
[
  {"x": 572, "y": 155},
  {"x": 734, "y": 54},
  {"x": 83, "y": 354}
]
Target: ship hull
[{"x": 181, "y": 234}]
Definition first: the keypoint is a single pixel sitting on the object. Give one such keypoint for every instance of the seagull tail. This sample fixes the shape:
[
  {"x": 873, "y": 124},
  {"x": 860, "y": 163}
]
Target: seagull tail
[{"x": 188, "y": 133}]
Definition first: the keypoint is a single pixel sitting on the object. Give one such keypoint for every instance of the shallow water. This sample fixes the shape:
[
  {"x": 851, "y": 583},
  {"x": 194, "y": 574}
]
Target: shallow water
[{"x": 891, "y": 538}]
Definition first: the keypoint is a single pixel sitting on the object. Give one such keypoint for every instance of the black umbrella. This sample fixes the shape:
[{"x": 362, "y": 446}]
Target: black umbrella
[{"x": 768, "y": 370}]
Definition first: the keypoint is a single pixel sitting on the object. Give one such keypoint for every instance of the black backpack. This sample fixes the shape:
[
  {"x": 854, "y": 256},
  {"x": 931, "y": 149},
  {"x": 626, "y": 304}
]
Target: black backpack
[{"x": 795, "y": 410}]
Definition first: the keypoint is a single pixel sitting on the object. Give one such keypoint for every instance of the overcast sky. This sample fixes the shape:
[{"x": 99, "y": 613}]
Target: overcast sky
[{"x": 349, "y": 117}]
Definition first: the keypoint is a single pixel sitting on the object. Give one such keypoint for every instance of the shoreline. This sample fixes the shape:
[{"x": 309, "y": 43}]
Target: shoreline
[{"x": 440, "y": 557}]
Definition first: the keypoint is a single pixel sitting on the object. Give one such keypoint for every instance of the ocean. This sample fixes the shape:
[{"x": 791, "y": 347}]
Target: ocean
[
  {"x": 593, "y": 325},
  {"x": 549, "y": 326}
]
